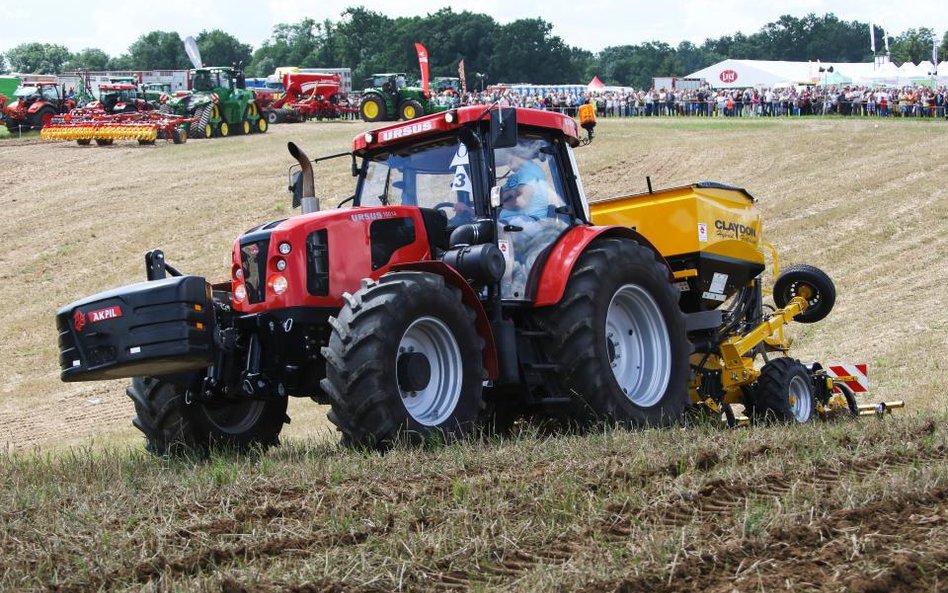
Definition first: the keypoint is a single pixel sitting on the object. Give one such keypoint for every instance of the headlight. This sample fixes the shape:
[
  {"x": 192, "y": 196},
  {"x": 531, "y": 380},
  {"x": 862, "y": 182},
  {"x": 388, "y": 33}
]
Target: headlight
[
  {"x": 278, "y": 284},
  {"x": 369, "y": 137},
  {"x": 285, "y": 248},
  {"x": 280, "y": 264},
  {"x": 240, "y": 293}
]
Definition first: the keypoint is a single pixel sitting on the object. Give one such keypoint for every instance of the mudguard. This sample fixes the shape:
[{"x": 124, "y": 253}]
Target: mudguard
[
  {"x": 36, "y": 106},
  {"x": 564, "y": 255},
  {"x": 470, "y": 298}
]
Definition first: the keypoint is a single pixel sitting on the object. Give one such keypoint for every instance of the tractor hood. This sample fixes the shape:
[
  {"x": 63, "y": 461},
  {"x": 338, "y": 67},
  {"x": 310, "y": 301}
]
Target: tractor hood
[{"x": 286, "y": 263}]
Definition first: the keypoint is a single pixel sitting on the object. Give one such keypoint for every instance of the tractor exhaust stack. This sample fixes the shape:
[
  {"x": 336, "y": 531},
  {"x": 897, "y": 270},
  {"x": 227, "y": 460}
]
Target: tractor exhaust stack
[{"x": 309, "y": 202}]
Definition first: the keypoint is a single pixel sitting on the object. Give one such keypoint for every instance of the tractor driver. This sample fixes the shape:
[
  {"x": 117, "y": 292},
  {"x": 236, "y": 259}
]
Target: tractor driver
[{"x": 524, "y": 195}]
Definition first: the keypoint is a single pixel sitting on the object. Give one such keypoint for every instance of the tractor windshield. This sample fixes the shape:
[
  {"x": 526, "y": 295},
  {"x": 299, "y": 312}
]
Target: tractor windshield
[
  {"x": 434, "y": 175},
  {"x": 26, "y": 91},
  {"x": 202, "y": 81}
]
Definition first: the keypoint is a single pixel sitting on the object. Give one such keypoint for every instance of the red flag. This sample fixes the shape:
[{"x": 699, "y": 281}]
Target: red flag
[
  {"x": 461, "y": 75},
  {"x": 423, "y": 64}
]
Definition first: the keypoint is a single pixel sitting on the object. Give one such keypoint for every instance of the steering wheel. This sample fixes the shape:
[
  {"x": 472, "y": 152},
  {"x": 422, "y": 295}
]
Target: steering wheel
[{"x": 441, "y": 205}]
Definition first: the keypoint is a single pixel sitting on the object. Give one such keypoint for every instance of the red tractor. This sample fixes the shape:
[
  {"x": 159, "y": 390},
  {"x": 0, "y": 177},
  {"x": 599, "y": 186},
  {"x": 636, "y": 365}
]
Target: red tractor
[
  {"x": 465, "y": 286},
  {"x": 307, "y": 95},
  {"x": 35, "y": 105},
  {"x": 121, "y": 98}
]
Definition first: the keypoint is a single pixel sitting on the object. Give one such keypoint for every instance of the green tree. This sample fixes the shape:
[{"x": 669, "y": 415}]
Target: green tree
[
  {"x": 366, "y": 40},
  {"x": 88, "y": 59},
  {"x": 158, "y": 50},
  {"x": 3, "y": 64},
  {"x": 38, "y": 58},
  {"x": 526, "y": 51},
  {"x": 222, "y": 49},
  {"x": 914, "y": 45}
]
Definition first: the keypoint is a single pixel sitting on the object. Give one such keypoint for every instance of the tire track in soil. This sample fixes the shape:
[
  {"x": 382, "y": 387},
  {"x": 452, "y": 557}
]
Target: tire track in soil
[
  {"x": 712, "y": 501},
  {"x": 789, "y": 557},
  {"x": 154, "y": 569}
]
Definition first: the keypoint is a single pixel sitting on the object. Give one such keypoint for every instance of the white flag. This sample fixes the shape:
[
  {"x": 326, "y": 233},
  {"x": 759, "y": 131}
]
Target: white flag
[
  {"x": 886, "y": 34},
  {"x": 935, "y": 51},
  {"x": 872, "y": 38}
]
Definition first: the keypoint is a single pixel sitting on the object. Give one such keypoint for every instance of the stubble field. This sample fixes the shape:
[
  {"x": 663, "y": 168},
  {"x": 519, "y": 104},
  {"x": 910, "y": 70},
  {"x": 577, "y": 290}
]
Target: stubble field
[{"x": 851, "y": 506}]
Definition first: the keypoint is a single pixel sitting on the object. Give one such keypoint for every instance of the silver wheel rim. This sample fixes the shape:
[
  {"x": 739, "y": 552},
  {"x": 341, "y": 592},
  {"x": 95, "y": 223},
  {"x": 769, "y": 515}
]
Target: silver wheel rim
[
  {"x": 638, "y": 345},
  {"x": 435, "y": 403},
  {"x": 800, "y": 400}
]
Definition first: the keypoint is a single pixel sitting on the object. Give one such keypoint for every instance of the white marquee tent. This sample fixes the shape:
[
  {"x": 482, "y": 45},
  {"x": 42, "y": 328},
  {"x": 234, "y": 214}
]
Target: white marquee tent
[{"x": 763, "y": 73}]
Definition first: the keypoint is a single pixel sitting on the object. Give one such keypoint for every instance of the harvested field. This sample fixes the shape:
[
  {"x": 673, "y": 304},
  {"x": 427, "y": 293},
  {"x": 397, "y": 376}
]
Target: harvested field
[{"x": 847, "y": 506}]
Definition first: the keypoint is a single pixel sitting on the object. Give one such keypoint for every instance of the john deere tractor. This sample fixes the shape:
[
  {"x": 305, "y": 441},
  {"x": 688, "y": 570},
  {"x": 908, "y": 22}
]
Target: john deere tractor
[
  {"x": 220, "y": 102},
  {"x": 388, "y": 97}
]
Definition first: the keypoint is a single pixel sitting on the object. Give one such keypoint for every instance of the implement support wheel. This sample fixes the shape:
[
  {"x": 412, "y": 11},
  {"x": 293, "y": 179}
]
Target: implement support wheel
[
  {"x": 811, "y": 283},
  {"x": 784, "y": 393}
]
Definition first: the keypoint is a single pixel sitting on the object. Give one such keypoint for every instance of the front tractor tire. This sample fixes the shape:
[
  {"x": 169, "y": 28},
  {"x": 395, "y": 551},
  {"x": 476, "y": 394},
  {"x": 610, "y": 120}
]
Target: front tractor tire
[
  {"x": 372, "y": 109},
  {"x": 404, "y": 360},
  {"x": 411, "y": 109},
  {"x": 619, "y": 338},
  {"x": 174, "y": 426},
  {"x": 201, "y": 128},
  {"x": 784, "y": 393}
]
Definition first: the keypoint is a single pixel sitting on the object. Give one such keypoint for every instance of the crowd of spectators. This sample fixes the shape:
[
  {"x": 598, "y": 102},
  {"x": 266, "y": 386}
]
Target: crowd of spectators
[{"x": 908, "y": 101}]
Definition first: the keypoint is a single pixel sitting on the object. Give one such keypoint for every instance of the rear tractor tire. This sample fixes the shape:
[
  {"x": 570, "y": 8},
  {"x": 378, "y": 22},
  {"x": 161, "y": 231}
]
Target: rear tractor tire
[
  {"x": 619, "y": 338},
  {"x": 173, "y": 426},
  {"x": 404, "y": 360},
  {"x": 784, "y": 393},
  {"x": 811, "y": 283},
  {"x": 43, "y": 117}
]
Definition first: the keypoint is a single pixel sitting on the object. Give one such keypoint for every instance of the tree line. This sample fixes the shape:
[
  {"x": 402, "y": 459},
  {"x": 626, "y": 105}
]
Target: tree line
[{"x": 525, "y": 50}]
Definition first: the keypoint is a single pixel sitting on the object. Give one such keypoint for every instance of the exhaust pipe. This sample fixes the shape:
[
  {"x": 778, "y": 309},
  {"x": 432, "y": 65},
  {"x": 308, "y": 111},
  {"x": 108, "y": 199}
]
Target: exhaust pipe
[{"x": 309, "y": 202}]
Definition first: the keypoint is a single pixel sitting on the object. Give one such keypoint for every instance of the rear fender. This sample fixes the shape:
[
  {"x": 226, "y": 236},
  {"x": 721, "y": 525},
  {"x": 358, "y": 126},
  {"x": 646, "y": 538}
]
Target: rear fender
[
  {"x": 469, "y": 297},
  {"x": 36, "y": 107},
  {"x": 559, "y": 264}
]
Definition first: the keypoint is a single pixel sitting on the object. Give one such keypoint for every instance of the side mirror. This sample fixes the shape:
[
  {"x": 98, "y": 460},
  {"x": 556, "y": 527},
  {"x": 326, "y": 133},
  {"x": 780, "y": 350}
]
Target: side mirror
[
  {"x": 503, "y": 127},
  {"x": 296, "y": 186}
]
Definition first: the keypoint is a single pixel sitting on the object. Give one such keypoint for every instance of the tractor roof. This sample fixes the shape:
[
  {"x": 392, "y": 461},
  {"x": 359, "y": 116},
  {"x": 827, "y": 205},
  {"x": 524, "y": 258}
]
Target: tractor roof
[
  {"x": 117, "y": 87},
  {"x": 437, "y": 123}
]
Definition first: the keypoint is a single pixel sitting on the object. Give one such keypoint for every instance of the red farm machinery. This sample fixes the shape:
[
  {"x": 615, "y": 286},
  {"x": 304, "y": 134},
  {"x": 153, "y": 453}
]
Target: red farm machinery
[
  {"x": 469, "y": 284},
  {"x": 307, "y": 95}
]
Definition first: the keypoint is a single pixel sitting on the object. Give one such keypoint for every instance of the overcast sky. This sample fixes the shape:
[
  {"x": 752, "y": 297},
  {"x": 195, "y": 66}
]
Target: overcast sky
[{"x": 589, "y": 24}]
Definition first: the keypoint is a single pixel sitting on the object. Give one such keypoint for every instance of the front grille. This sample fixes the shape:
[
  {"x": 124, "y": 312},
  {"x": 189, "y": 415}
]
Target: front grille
[
  {"x": 253, "y": 262},
  {"x": 317, "y": 263}
]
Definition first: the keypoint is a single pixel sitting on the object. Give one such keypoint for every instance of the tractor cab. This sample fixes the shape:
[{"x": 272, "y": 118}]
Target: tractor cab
[
  {"x": 517, "y": 189},
  {"x": 390, "y": 82},
  {"x": 213, "y": 79},
  {"x": 119, "y": 97},
  {"x": 28, "y": 93}
]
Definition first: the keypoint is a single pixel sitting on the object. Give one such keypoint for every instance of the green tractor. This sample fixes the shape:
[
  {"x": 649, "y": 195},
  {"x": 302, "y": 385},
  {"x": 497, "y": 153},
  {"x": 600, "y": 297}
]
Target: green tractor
[
  {"x": 219, "y": 100},
  {"x": 388, "y": 97}
]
